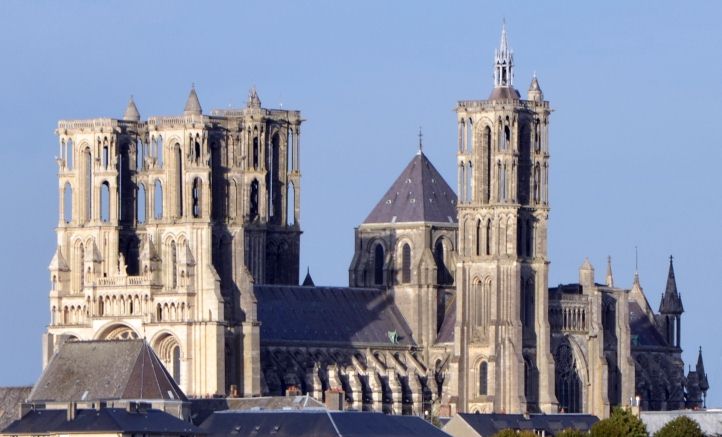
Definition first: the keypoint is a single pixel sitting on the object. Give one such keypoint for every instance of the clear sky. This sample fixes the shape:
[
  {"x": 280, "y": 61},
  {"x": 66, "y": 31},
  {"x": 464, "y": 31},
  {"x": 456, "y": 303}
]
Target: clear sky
[{"x": 635, "y": 138}]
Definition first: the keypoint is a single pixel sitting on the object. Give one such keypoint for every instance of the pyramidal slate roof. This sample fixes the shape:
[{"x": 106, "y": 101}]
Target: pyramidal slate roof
[
  {"x": 419, "y": 194},
  {"x": 105, "y": 370}
]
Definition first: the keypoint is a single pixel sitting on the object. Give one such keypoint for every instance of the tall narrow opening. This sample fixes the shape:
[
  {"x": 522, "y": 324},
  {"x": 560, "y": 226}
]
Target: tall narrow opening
[
  {"x": 253, "y": 201},
  {"x": 69, "y": 154},
  {"x": 486, "y": 165},
  {"x": 469, "y": 136},
  {"x": 406, "y": 264},
  {"x": 196, "y": 194},
  {"x": 483, "y": 378},
  {"x": 256, "y": 152},
  {"x": 88, "y": 179},
  {"x": 488, "y": 238},
  {"x": 105, "y": 202},
  {"x": 158, "y": 200},
  {"x": 291, "y": 205},
  {"x": 160, "y": 151},
  {"x": 378, "y": 264},
  {"x": 174, "y": 265},
  {"x": 443, "y": 276},
  {"x": 140, "y": 207},
  {"x": 68, "y": 203},
  {"x": 477, "y": 236},
  {"x": 179, "y": 180}
]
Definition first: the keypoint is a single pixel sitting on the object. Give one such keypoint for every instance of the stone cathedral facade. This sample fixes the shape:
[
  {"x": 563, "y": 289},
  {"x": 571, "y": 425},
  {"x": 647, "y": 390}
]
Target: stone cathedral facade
[{"x": 185, "y": 230}]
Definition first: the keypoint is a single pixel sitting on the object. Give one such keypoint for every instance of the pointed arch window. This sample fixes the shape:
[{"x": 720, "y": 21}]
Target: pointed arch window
[
  {"x": 567, "y": 382},
  {"x": 486, "y": 165},
  {"x": 537, "y": 183},
  {"x": 253, "y": 201},
  {"x": 68, "y": 203},
  {"x": 256, "y": 152},
  {"x": 406, "y": 264},
  {"x": 484, "y": 378},
  {"x": 88, "y": 179},
  {"x": 178, "y": 180},
  {"x": 378, "y": 264},
  {"x": 140, "y": 207},
  {"x": 174, "y": 265},
  {"x": 488, "y": 238},
  {"x": 196, "y": 194},
  {"x": 158, "y": 200},
  {"x": 469, "y": 135},
  {"x": 69, "y": 154},
  {"x": 443, "y": 276},
  {"x": 478, "y": 237},
  {"x": 105, "y": 202}
]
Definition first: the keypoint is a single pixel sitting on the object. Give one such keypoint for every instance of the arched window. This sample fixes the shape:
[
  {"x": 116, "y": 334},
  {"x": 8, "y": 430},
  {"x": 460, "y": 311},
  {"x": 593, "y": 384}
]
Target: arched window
[
  {"x": 567, "y": 382},
  {"x": 197, "y": 150},
  {"x": 469, "y": 182},
  {"x": 139, "y": 155},
  {"x": 488, "y": 237},
  {"x": 256, "y": 152},
  {"x": 478, "y": 237},
  {"x": 174, "y": 265},
  {"x": 503, "y": 182},
  {"x": 196, "y": 194},
  {"x": 88, "y": 179},
  {"x": 159, "y": 313},
  {"x": 537, "y": 137},
  {"x": 159, "y": 149},
  {"x": 527, "y": 305},
  {"x": 106, "y": 156},
  {"x": 178, "y": 180},
  {"x": 140, "y": 207},
  {"x": 69, "y": 154},
  {"x": 378, "y": 264},
  {"x": 253, "y": 201},
  {"x": 483, "y": 378},
  {"x": 499, "y": 182},
  {"x": 537, "y": 183},
  {"x": 158, "y": 200},
  {"x": 405, "y": 264},
  {"x": 469, "y": 135},
  {"x": 486, "y": 165},
  {"x": 506, "y": 138},
  {"x": 68, "y": 203},
  {"x": 443, "y": 276},
  {"x": 291, "y": 205},
  {"x": 81, "y": 268},
  {"x": 101, "y": 308},
  {"x": 176, "y": 364},
  {"x": 530, "y": 238},
  {"x": 105, "y": 202}
]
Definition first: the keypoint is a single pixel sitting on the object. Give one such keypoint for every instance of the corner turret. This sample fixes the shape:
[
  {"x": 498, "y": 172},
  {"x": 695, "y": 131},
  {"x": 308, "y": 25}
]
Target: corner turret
[{"x": 193, "y": 105}]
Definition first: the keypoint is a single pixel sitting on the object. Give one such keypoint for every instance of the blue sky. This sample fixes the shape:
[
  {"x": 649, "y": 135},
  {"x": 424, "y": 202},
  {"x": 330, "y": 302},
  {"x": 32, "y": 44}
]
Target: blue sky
[{"x": 634, "y": 136}]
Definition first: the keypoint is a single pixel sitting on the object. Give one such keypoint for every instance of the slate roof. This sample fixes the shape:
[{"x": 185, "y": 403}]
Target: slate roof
[
  {"x": 10, "y": 400},
  {"x": 644, "y": 333},
  {"x": 317, "y": 423},
  {"x": 490, "y": 424},
  {"x": 504, "y": 93},
  {"x": 105, "y": 370},
  {"x": 419, "y": 194},
  {"x": 203, "y": 408},
  {"x": 115, "y": 420},
  {"x": 193, "y": 105},
  {"x": 323, "y": 315}
]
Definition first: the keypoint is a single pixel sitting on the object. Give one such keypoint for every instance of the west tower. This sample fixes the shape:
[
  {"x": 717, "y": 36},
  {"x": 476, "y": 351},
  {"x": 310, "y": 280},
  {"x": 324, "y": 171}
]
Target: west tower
[
  {"x": 165, "y": 224},
  {"x": 502, "y": 355}
]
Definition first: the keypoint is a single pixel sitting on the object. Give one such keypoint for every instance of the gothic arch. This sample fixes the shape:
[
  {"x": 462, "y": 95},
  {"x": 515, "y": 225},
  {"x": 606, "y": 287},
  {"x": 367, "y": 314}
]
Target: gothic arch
[
  {"x": 168, "y": 349},
  {"x": 116, "y": 331}
]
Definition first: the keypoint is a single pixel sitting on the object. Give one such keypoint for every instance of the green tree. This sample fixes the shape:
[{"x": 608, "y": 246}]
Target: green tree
[
  {"x": 682, "y": 426},
  {"x": 570, "y": 432},
  {"x": 512, "y": 433},
  {"x": 622, "y": 423}
]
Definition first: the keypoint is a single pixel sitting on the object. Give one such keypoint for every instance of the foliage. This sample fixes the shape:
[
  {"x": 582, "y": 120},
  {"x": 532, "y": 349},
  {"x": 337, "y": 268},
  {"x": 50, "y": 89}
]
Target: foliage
[
  {"x": 682, "y": 426},
  {"x": 621, "y": 423},
  {"x": 570, "y": 432}
]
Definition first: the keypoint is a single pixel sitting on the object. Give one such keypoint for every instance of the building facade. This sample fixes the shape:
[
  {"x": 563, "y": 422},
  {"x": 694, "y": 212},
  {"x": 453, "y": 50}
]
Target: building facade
[{"x": 185, "y": 230}]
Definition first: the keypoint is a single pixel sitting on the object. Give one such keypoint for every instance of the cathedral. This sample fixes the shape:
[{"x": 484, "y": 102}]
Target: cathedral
[{"x": 185, "y": 230}]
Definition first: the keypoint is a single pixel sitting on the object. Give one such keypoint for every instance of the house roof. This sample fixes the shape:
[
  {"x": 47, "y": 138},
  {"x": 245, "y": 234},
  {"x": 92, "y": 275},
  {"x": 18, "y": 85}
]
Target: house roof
[
  {"x": 10, "y": 400},
  {"x": 419, "y": 194},
  {"x": 105, "y": 370},
  {"x": 317, "y": 423},
  {"x": 361, "y": 316},
  {"x": 490, "y": 424},
  {"x": 114, "y": 420},
  {"x": 644, "y": 333}
]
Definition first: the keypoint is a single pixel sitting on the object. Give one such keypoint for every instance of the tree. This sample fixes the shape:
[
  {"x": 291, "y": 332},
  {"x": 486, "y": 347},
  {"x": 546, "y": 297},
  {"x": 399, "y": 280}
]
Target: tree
[
  {"x": 682, "y": 426},
  {"x": 570, "y": 432},
  {"x": 622, "y": 423},
  {"x": 513, "y": 433}
]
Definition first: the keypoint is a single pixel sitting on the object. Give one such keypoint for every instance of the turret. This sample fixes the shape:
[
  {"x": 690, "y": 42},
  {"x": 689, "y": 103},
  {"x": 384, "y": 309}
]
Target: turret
[
  {"x": 702, "y": 375},
  {"x": 535, "y": 93},
  {"x": 671, "y": 309},
  {"x": 193, "y": 105},
  {"x": 131, "y": 111},
  {"x": 586, "y": 274}
]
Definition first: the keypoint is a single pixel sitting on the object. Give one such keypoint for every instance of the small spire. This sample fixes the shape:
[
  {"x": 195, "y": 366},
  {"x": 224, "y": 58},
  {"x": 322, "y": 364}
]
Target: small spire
[
  {"x": 253, "y": 100},
  {"x": 421, "y": 144},
  {"x": 308, "y": 281},
  {"x": 671, "y": 300},
  {"x": 503, "y": 60},
  {"x": 610, "y": 277},
  {"x": 193, "y": 105},
  {"x": 703, "y": 382},
  {"x": 131, "y": 111}
]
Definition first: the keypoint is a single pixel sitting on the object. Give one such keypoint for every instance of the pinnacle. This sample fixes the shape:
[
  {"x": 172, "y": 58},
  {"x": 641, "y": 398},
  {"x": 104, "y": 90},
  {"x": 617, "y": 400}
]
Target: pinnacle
[{"x": 193, "y": 105}]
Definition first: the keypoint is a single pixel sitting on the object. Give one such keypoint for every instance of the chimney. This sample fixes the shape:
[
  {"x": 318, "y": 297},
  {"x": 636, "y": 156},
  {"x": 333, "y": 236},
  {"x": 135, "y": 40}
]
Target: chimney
[
  {"x": 334, "y": 399},
  {"x": 72, "y": 411}
]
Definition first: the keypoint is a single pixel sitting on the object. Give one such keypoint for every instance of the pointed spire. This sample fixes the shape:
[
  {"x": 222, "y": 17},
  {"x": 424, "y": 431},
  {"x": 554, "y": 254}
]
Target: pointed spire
[
  {"x": 308, "y": 281},
  {"x": 504, "y": 62},
  {"x": 610, "y": 277},
  {"x": 703, "y": 382},
  {"x": 421, "y": 144},
  {"x": 671, "y": 300},
  {"x": 193, "y": 105},
  {"x": 253, "y": 100},
  {"x": 131, "y": 111}
]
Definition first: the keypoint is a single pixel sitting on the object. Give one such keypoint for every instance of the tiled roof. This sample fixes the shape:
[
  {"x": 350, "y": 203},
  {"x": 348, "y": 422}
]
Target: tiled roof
[
  {"x": 105, "y": 370},
  {"x": 10, "y": 400},
  {"x": 317, "y": 423},
  {"x": 644, "y": 333},
  {"x": 419, "y": 194},
  {"x": 490, "y": 424},
  {"x": 104, "y": 420},
  {"x": 504, "y": 93},
  {"x": 322, "y": 315}
]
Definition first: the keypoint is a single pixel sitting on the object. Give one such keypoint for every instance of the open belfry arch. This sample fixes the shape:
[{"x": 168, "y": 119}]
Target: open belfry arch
[{"x": 165, "y": 224}]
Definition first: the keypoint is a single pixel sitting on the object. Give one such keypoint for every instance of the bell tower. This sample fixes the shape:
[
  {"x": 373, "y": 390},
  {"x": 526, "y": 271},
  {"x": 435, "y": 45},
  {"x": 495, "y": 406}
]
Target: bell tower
[{"x": 502, "y": 336}]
